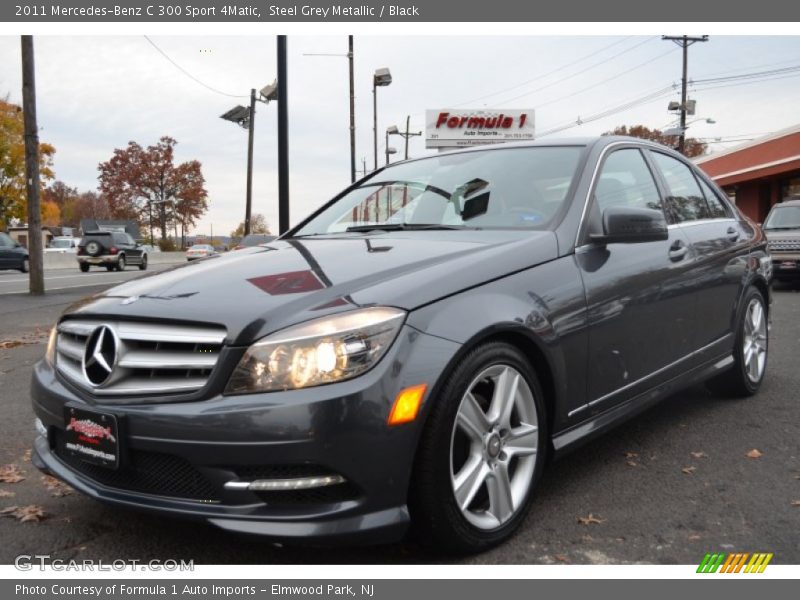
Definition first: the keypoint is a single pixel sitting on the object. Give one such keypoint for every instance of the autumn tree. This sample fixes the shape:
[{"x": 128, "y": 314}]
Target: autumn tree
[
  {"x": 13, "y": 198},
  {"x": 258, "y": 224},
  {"x": 145, "y": 184},
  {"x": 88, "y": 205},
  {"x": 693, "y": 147},
  {"x": 59, "y": 192}
]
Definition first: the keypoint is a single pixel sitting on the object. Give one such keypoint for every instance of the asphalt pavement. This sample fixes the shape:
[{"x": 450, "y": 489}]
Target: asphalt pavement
[
  {"x": 58, "y": 280},
  {"x": 695, "y": 474}
]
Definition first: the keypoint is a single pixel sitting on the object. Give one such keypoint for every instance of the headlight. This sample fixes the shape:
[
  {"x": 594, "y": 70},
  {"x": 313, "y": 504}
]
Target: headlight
[
  {"x": 321, "y": 351},
  {"x": 50, "y": 354}
]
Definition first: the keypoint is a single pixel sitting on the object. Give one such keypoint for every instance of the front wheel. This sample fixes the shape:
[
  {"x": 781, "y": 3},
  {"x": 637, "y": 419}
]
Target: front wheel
[
  {"x": 482, "y": 452},
  {"x": 750, "y": 350},
  {"x": 25, "y": 266},
  {"x": 143, "y": 264}
]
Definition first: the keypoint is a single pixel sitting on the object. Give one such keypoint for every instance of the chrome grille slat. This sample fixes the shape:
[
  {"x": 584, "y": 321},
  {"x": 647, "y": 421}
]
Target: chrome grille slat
[{"x": 150, "y": 358}]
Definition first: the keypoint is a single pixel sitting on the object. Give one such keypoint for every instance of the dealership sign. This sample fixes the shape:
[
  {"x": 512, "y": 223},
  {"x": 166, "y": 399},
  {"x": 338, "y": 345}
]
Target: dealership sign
[{"x": 450, "y": 128}]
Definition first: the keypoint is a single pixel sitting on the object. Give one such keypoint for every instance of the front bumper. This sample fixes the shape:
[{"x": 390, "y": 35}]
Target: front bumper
[
  {"x": 177, "y": 456},
  {"x": 785, "y": 265}
]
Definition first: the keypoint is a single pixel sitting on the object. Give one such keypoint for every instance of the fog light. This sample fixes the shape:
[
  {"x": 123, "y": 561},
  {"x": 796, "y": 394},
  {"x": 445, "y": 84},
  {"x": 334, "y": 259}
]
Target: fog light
[
  {"x": 40, "y": 428},
  {"x": 406, "y": 405},
  {"x": 285, "y": 485}
]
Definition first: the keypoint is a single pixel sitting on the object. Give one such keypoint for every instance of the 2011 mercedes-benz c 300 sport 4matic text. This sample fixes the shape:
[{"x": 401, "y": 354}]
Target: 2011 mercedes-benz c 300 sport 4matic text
[{"x": 415, "y": 350}]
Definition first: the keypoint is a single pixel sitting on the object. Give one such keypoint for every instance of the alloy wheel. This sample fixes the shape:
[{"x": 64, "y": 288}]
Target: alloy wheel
[
  {"x": 493, "y": 447},
  {"x": 754, "y": 349}
]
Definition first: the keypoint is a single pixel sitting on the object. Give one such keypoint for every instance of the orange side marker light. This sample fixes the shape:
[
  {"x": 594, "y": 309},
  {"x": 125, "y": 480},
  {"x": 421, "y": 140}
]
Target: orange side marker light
[{"x": 406, "y": 405}]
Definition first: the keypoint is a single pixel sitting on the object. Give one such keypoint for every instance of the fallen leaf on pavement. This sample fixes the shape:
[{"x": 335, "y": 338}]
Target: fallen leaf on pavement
[
  {"x": 795, "y": 502},
  {"x": 694, "y": 537},
  {"x": 24, "y": 514},
  {"x": 689, "y": 470},
  {"x": 562, "y": 558},
  {"x": 590, "y": 520},
  {"x": 10, "y": 474},
  {"x": 6, "y": 344},
  {"x": 6, "y": 494},
  {"x": 699, "y": 454},
  {"x": 632, "y": 463},
  {"x": 631, "y": 454},
  {"x": 27, "y": 456},
  {"x": 754, "y": 453},
  {"x": 56, "y": 487}
]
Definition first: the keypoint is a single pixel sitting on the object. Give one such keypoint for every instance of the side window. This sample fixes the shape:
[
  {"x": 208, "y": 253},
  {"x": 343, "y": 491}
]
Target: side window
[
  {"x": 685, "y": 201},
  {"x": 716, "y": 208},
  {"x": 625, "y": 180},
  {"x": 5, "y": 241}
]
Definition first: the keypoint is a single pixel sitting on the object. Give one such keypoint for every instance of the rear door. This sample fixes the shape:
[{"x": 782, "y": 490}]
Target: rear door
[
  {"x": 6, "y": 247},
  {"x": 133, "y": 249},
  {"x": 719, "y": 244},
  {"x": 640, "y": 310}
]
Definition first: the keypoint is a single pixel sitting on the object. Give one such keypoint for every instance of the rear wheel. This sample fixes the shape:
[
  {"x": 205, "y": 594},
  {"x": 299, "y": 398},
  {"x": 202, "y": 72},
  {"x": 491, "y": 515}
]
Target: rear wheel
[
  {"x": 121, "y": 263},
  {"x": 143, "y": 264},
  {"x": 482, "y": 452},
  {"x": 84, "y": 267},
  {"x": 750, "y": 350}
]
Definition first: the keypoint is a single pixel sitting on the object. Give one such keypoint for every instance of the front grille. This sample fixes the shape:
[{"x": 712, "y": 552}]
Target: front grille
[
  {"x": 784, "y": 245},
  {"x": 148, "y": 359},
  {"x": 147, "y": 473}
]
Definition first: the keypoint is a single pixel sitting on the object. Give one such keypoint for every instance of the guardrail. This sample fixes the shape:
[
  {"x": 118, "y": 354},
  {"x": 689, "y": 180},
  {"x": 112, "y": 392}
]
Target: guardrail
[{"x": 69, "y": 261}]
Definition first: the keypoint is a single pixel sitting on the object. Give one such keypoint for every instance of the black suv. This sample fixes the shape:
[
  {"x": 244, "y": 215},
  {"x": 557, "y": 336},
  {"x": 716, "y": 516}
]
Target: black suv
[
  {"x": 113, "y": 250},
  {"x": 12, "y": 254}
]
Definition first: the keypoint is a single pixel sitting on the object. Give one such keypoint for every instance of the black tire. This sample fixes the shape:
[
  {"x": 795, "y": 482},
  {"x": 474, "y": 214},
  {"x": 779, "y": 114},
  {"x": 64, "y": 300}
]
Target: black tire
[
  {"x": 25, "y": 265},
  {"x": 110, "y": 268},
  {"x": 84, "y": 267},
  {"x": 735, "y": 382},
  {"x": 143, "y": 264},
  {"x": 436, "y": 518},
  {"x": 121, "y": 263}
]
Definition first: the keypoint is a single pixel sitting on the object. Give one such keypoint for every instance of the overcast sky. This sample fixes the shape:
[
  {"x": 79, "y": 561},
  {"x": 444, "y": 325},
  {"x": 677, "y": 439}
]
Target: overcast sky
[{"x": 97, "y": 93}]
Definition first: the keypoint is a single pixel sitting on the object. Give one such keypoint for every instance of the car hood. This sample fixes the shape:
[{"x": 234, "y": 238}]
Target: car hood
[
  {"x": 256, "y": 291},
  {"x": 782, "y": 234}
]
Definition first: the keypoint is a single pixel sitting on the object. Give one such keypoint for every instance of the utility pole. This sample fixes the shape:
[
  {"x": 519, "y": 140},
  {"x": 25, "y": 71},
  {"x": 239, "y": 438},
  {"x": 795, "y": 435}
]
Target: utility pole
[
  {"x": 408, "y": 134},
  {"x": 352, "y": 111},
  {"x": 251, "y": 128},
  {"x": 35, "y": 252},
  {"x": 283, "y": 139},
  {"x": 684, "y": 41}
]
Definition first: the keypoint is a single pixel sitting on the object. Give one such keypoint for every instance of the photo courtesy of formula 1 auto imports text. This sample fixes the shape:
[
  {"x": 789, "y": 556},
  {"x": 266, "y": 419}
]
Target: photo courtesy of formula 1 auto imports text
[{"x": 382, "y": 301}]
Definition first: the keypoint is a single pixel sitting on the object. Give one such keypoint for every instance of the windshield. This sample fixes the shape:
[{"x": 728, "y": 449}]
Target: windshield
[
  {"x": 502, "y": 188},
  {"x": 783, "y": 217}
]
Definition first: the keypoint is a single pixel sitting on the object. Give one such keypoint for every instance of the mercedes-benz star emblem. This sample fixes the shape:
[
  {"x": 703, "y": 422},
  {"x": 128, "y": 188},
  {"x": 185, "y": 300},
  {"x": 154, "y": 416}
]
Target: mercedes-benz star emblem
[{"x": 100, "y": 356}]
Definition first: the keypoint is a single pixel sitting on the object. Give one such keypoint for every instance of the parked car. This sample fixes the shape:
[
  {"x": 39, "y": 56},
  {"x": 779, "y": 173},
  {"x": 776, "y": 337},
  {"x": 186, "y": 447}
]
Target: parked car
[
  {"x": 112, "y": 250},
  {"x": 254, "y": 239},
  {"x": 12, "y": 254},
  {"x": 63, "y": 245},
  {"x": 782, "y": 228},
  {"x": 415, "y": 350},
  {"x": 200, "y": 251}
]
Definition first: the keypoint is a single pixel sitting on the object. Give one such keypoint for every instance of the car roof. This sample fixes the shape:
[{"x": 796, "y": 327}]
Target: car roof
[{"x": 787, "y": 203}]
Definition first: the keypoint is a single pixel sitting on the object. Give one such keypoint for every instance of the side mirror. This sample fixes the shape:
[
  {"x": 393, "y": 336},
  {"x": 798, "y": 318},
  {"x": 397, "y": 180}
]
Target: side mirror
[{"x": 629, "y": 225}]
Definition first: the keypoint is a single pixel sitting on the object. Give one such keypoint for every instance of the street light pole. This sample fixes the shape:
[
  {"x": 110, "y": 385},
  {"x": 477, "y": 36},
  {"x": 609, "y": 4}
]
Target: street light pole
[
  {"x": 381, "y": 78},
  {"x": 283, "y": 138},
  {"x": 352, "y": 111},
  {"x": 251, "y": 127}
]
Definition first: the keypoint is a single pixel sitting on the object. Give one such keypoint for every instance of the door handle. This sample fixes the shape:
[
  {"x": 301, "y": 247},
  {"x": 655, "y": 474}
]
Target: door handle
[
  {"x": 678, "y": 250},
  {"x": 732, "y": 234}
]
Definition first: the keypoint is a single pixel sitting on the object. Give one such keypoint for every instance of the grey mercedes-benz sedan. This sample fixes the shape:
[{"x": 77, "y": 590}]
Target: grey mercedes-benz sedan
[{"x": 415, "y": 350}]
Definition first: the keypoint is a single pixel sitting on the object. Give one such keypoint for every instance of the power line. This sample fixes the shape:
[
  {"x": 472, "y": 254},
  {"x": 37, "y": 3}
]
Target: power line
[
  {"x": 544, "y": 76},
  {"x": 189, "y": 75}
]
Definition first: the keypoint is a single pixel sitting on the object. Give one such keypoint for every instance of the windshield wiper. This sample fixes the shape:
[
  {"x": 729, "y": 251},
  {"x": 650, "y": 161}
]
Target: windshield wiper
[{"x": 403, "y": 227}]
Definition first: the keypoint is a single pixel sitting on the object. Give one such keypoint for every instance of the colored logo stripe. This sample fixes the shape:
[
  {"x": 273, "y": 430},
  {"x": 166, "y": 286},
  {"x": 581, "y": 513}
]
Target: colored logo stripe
[{"x": 735, "y": 562}]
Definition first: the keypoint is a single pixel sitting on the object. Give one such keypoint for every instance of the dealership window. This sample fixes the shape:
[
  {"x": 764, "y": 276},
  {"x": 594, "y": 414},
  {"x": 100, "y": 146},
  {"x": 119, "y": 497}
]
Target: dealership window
[
  {"x": 685, "y": 201},
  {"x": 626, "y": 181},
  {"x": 791, "y": 189}
]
